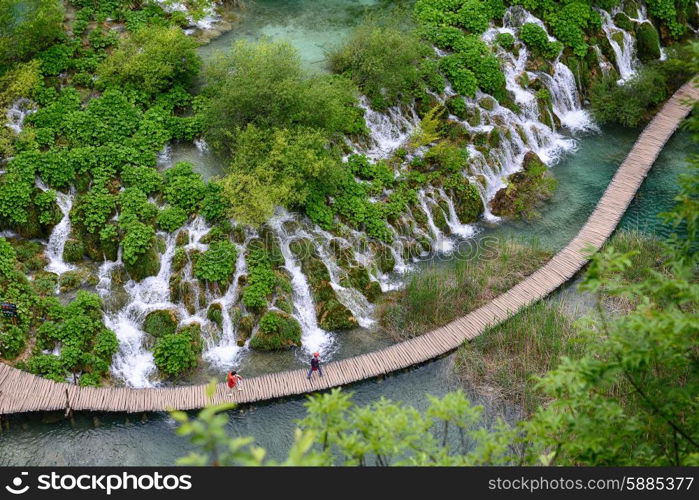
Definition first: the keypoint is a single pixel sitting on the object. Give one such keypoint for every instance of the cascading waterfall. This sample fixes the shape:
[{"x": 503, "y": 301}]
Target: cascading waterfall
[
  {"x": 225, "y": 351},
  {"x": 566, "y": 101},
  {"x": 389, "y": 130},
  {"x": 314, "y": 338},
  {"x": 59, "y": 234},
  {"x": 17, "y": 113},
  {"x": 351, "y": 298},
  {"x": 519, "y": 132},
  {"x": 440, "y": 243},
  {"x": 624, "y": 52},
  {"x": 455, "y": 225}
]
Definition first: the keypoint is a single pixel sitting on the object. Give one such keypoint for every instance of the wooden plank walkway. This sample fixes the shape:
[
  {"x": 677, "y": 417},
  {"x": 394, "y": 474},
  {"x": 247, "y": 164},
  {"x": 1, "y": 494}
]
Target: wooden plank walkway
[{"x": 23, "y": 392}]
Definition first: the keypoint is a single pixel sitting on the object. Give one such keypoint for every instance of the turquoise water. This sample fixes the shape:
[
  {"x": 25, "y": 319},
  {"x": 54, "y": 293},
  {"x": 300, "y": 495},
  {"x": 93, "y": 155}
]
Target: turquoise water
[
  {"x": 314, "y": 27},
  {"x": 108, "y": 439}
]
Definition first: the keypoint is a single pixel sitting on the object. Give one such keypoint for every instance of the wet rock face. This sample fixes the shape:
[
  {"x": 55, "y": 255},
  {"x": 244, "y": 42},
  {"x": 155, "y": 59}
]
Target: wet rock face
[
  {"x": 161, "y": 322},
  {"x": 525, "y": 190},
  {"x": 277, "y": 330},
  {"x": 330, "y": 313},
  {"x": 147, "y": 264}
]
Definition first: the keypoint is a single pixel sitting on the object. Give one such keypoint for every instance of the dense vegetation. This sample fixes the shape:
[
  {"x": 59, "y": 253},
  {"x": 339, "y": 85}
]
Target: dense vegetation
[
  {"x": 623, "y": 394},
  {"x": 105, "y": 85}
]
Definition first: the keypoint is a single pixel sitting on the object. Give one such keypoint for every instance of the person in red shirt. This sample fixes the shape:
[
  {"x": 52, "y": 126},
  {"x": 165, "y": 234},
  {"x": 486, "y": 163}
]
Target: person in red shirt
[{"x": 233, "y": 379}]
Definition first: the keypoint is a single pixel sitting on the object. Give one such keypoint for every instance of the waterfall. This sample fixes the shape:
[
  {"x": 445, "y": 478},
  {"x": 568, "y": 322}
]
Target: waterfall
[
  {"x": 17, "y": 113},
  {"x": 440, "y": 243},
  {"x": 201, "y": 145},
  {"x": 60, "y": 232},
  {"x": 566, "y": 102},
  {"x": 351, "y": 298},
  {"x": 455, "y": 225},
  {"x": 625, "y": 52},
  {"x": 133, "y": 363},
  {"x": 226, "y": 352},
  {"x": 389, "y": 130},
  {"x": 314, "y": 338}
]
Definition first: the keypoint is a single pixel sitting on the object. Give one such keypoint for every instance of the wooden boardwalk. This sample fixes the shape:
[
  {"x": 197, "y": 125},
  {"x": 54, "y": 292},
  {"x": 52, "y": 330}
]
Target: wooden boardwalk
[{"x": 23, "y": 392}]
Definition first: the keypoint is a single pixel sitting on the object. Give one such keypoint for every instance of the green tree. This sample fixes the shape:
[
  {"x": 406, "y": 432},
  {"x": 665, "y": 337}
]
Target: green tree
[
  {"x": 276, "y": 167},
  {"x": 26, "y": 27},
  {"x": 264, "y": 85},
  {"x": 151, "y": 61}
]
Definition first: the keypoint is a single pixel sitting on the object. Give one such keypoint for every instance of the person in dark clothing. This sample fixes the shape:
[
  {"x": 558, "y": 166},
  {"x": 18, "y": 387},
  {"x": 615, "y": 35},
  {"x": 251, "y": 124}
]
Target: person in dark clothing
[{"x": 315, "y": 365}]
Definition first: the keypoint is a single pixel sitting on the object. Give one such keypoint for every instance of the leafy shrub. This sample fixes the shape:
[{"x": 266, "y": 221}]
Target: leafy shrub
[
  {"x": 264, "y": 85},
  {"x": 217, "y": 263},
  {"x": 462, "y": 79},
  {"x": 384, "y": 62},
  {"x": 134, "y": 206},
  {"x": 177, "y": 353},
  {"x": 276, "y": 167},
  {"x": 27, "y": 27},
  {"x": 171, "y": 218},
  {"x": 12, "y": 341},
  {"x": 151, "y": 61},
  {"x": 261, "y": 279},
  {"x": 93, "y": 209},
  {"x": 147, "y": 179},
  {"x": 631, "y": 103},
  {"x": 277, "y": 330},
  {"x": 184, "y": 188},
  {"x": 537, "y": 40},
  {"x": 505, "y": 40},
  {"x": 137, "y": 240}
]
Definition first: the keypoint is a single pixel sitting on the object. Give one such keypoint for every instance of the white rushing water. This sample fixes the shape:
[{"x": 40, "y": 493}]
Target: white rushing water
[
  {"x": 624, "y": 49},
  {"x": 388, "y": 131},
  {"x": 548, "y": 133},
  {"x": 225, "y": 352},
  {"x": 59, "y": 233},
  {"x": 17, "y": 113},
  {"x": 313, "y": 338}
]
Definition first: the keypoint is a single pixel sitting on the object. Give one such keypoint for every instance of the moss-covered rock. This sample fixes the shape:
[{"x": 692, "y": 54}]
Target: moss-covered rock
[
  {"x": 467, "y": 200},
  {"x": 147, "y": 264},
  {"x": 182, "y": 238},
  {"x": 78, "y": 278},
  {"x": 385, "y": 260},
  {"x": 179, "y": 259},
  {"x": 243, "y": 324},
  {"x": 74, "y": 250},
  {"x": 334, "y": 316},
  {"x": 215, "y": 314},
  {"x": 487, "y": 103},
  {"x": 623, "y": 21},
  {"x": 277, "y": 330},
  {"x": 161, "y": 322},
  {"x": 525, "y": 191},
  {"x": 647, "y": 42},
  {"x": 358, "y": 278}
]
